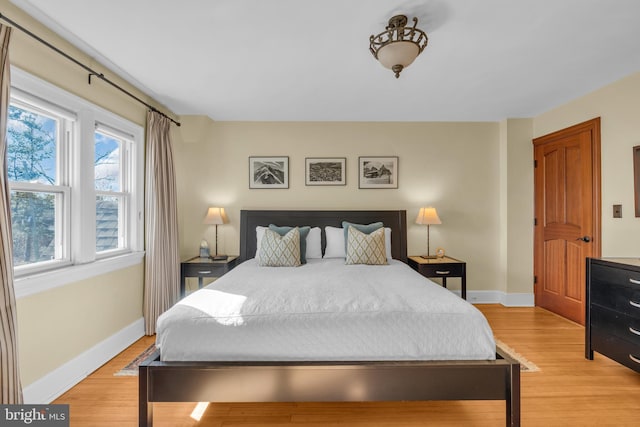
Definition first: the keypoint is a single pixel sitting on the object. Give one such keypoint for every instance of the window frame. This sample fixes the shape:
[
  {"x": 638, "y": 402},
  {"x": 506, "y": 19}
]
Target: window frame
[
  {"x": 66, "y": 122},
  {"x": 125, "y": 193},
  {"x": 78, "y": 191},
  {"x": 62, "y": 233}
]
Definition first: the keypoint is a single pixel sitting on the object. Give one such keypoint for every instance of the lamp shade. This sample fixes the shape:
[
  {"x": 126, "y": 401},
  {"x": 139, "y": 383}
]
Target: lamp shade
[
  {"x": 215, "y": 216},
  {"x": 428, "y": 216},
  {"x": 398, "y": 53}
]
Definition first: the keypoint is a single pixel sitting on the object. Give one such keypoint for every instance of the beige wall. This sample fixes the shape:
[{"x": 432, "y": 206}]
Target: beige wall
[
  {"x": 452, "y": 166},
  {"x": 618, "y": 105},
  {"x": 518, "y": 195},
  {"x": 58, "y": 325}
]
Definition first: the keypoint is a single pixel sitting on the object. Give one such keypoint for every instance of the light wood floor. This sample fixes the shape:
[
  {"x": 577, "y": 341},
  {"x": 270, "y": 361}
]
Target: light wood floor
[{"x": 568, "y": 391}]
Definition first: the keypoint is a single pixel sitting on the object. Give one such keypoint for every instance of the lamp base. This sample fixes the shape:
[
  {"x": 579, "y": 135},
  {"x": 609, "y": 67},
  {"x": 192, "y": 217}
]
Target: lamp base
[
  {"x": 428, "y": 256},
  {"x": 219, "y": 257}
]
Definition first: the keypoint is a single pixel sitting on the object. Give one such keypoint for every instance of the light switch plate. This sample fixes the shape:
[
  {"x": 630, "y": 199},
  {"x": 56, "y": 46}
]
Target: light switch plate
[{"x": 617, "y": 211}]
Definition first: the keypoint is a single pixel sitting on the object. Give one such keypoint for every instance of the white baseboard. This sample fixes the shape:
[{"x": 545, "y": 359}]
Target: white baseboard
[
  {"x": 518, "y": 300},
  {"x": 499, "y": 297},
  {"x": 56, "y": 382}
]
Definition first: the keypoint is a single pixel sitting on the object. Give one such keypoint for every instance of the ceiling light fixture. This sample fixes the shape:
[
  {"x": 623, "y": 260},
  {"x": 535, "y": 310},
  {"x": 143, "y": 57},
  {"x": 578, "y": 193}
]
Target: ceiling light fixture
[{"x": 398, "y": 46}]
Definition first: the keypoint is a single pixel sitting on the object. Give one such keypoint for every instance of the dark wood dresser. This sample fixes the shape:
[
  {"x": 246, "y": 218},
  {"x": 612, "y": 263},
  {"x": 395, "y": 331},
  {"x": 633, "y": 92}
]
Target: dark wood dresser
[{"x": 613, "y": 310}]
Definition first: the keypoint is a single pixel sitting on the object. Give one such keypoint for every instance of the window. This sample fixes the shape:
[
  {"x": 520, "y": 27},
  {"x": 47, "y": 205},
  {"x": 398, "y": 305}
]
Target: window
[
  {"x": 112, "y": 190},
  {"x": 75, "y": 175},
  {"x": 39, "y": 196}
]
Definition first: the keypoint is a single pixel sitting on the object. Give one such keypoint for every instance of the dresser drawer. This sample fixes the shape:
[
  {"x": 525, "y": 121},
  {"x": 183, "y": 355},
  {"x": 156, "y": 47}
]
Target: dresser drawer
[
  {"x": 620, "y": 325},
  {"x": 622, "y": 298},
  {"x": 441, "y": 270},
  {"x": 606, "y": 275},
  {"x": 620, "y": 350},
  {"x": 614, "y": 275},
  {"x": 194, "y": 270}
]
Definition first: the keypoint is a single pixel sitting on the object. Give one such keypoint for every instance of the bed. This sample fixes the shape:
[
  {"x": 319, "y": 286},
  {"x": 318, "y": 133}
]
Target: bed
[{"x": 272, "y": 378}]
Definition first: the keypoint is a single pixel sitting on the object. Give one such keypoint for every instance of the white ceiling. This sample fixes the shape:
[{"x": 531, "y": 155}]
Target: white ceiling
[{"x": 290, "y": 60}]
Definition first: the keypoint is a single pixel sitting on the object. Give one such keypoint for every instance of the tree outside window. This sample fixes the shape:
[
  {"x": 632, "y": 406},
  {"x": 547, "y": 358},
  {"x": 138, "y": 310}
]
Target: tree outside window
[{"x": 32, "y": 160}]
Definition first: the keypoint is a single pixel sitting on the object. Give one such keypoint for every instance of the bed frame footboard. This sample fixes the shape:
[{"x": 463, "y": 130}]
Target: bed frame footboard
[{"x": 328, "y": 382}]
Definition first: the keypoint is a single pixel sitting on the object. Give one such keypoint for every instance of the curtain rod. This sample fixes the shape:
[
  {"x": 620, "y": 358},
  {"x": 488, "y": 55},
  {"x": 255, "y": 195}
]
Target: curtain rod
[{"x": 91, "y": 71}]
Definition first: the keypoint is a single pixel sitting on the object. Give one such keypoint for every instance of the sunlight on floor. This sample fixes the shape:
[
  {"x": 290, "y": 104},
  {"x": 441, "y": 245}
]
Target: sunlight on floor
[{"x": 198, "y": 411}]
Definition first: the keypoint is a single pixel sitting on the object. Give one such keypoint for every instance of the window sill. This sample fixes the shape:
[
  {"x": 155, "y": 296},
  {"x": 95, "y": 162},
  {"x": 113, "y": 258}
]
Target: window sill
[{"x": 36, "y": 283}]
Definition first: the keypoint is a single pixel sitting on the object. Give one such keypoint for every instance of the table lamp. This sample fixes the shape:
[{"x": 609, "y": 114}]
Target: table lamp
[
  {"x": 216, "y": 216},
  {"x": 428, "y": 216}
]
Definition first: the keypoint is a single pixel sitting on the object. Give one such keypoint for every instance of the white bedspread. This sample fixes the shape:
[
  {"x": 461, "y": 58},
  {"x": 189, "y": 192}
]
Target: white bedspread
[{"x": 323, "y": 310}]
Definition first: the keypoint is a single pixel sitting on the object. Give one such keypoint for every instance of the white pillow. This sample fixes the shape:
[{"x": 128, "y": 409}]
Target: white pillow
[
  {"x": 259, "y": 235},
  {"x": 335, "y": 242},
  {"x": 314, "y": 243}
]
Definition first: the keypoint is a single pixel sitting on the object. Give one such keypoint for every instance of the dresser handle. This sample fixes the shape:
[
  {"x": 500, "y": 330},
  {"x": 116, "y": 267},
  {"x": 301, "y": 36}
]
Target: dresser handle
[
  {"x": 635, "y": 282},
  {"x": 635, "y": 359},
  {"x": 634, "y": 304},
  {"x": 634, "y": 331},
  {"x": 204, "y": 272},
  {"x": 442, "y": 272}
]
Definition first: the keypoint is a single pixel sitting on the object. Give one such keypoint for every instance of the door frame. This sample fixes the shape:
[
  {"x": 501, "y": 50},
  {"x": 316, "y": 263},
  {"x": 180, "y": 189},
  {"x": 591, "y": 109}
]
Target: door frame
[{"x": 592, "y": 126}]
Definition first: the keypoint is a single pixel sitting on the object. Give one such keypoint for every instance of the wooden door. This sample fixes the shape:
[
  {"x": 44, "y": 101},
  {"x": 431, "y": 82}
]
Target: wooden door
[{"x": 567, "y": 216}]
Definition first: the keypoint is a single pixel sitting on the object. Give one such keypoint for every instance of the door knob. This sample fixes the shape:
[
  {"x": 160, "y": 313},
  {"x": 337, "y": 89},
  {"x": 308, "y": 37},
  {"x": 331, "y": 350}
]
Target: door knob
[{"x": 586, "y": 239}]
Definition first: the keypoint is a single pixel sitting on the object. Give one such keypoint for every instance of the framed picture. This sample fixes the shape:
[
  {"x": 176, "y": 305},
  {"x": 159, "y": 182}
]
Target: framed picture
[
  {"x": 269, "y": 172},
  {"x": 636, "y": 178},
  {"x": 377, "y": 172},
  {"x": 325, "y": 171}
]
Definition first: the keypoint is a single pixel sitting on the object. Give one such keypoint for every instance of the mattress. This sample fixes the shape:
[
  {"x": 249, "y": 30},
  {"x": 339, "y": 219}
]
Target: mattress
[{"x": 325, "y": 311}]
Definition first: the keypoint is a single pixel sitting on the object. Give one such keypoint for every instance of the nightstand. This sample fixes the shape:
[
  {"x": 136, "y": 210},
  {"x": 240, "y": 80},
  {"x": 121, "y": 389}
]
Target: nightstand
[
  {"x": 441, "y": 267},
  {"x": 204, "y": 267}
]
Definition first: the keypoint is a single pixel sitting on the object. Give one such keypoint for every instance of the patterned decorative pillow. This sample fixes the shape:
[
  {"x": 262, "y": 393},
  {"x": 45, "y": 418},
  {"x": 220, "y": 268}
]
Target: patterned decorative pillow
[
  {"x": 365, "y": 228},
  {"x": 304, "y": 231},
  {"x": 280, "y": 251},
  {"x": 365, "y": 248}
]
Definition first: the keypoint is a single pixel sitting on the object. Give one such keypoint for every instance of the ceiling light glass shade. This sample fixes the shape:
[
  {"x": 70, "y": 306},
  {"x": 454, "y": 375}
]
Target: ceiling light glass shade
[
  {"x": 398, "y": 46},
  {"x": 398, "y": 53}
]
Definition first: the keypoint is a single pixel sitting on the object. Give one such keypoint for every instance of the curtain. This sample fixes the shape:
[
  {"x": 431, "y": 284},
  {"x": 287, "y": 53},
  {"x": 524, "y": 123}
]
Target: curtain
[
  {"x": 162, "y": 266},
  {"x": 11, "y": 392}
]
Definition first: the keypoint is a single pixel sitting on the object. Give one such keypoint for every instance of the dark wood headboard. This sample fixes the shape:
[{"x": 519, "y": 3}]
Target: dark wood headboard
[{"x": 249, "y": 220}]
